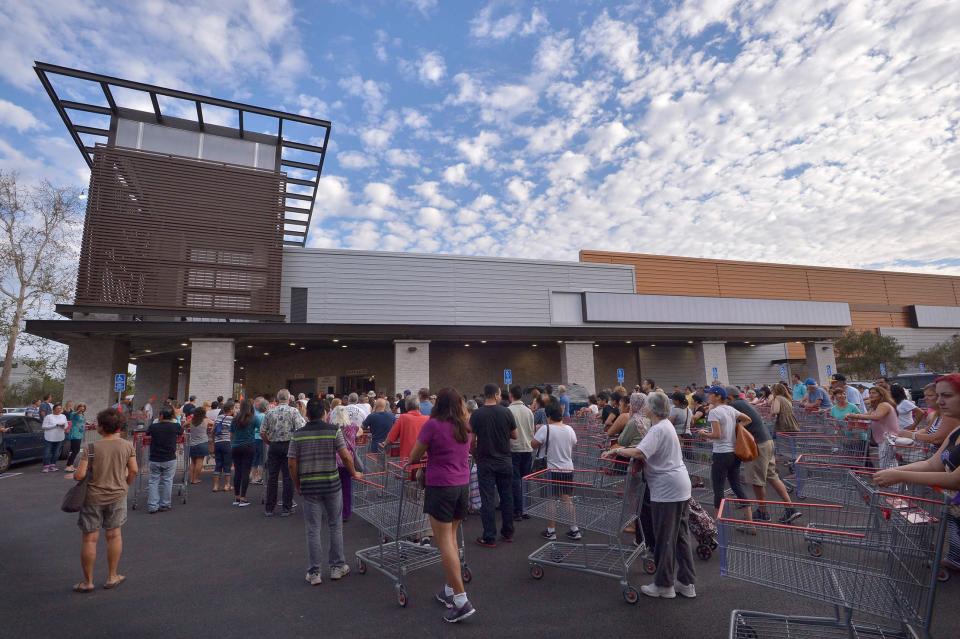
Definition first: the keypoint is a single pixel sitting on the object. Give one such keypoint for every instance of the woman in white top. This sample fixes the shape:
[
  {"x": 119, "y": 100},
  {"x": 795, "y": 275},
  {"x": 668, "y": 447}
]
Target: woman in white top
[
  {"x": 54, "y": 432},
  {"x": 723, "y": 420},
  {"x": 669, "y": 484},
  {"x": 908, "y": 415},
  {"x": 557, "y": 440}
]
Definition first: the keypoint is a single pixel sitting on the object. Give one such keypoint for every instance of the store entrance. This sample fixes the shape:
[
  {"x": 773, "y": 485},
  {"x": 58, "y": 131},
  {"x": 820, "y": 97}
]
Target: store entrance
[
  {"x": 358, "y": 383},
  {"x": 305, "y": 386}
]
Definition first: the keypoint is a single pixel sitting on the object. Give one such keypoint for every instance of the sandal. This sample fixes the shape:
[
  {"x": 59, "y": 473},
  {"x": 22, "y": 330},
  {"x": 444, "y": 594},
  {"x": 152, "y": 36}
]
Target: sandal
[
  {"x": 111, "y": 585},
  {"x": 83, "y": 589}
]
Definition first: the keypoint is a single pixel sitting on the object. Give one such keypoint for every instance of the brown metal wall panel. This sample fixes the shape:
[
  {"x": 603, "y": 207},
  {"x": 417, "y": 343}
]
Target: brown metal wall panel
[
  {"x": 166, "y": 233},
  {"x": 668, "y": 275}
]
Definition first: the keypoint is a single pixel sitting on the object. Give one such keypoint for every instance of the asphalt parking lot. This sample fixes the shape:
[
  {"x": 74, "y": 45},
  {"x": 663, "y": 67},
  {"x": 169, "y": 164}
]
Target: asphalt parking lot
[{"x": 207, "y": 569}]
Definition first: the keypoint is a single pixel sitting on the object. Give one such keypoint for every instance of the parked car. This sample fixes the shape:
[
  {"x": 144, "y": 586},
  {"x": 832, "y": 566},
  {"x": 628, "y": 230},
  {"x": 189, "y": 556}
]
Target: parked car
[
  {"x": 913, "y": 383},
  {"x": 23, "y": 442},
  {"x": 578, "y": 395}
]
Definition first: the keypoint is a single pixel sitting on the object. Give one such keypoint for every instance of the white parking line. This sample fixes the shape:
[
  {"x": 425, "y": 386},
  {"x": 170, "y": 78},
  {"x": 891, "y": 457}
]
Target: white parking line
[{"x": 9, "y": 475}]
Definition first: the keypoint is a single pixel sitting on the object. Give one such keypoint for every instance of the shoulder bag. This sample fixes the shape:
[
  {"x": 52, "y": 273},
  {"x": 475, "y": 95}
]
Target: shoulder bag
[
  {"x": 745, "y": 447},
  {"x": 77, "y": 494},
  {"x": 540, "y": 463}
]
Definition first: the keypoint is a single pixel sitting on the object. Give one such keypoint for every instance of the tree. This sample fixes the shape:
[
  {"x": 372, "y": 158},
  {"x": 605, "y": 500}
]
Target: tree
[
  {"x": 36, "y": 258},
  {"x": 860, "y": 353},
  {"x": 943, "y": 358}
]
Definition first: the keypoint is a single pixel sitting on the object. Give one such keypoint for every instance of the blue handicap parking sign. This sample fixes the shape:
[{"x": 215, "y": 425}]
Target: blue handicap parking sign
[
  {"x": 620, "y": 376},
  {"x": 119, "y": 382},
  {"x": 507, "y": 376},
  {"x": 783, "y": 371},
  {"x": 922, "y": 367},
  {"x": 829, "y": 370},
  {"x": 715, "y": 372},
  {"x": 883, "y": 369}
]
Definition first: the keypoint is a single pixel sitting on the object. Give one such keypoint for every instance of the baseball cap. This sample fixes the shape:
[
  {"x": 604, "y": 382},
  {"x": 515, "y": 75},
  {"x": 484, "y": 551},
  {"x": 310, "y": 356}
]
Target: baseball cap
[
  {"x": 406, "y": 392},
  {"x": 716, "y": 390},
  {"x": 839, "y": 378},
  {"x": 810, "y": 382}
]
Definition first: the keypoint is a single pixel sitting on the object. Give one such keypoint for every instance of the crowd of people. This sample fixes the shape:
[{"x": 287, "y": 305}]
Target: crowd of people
[{"x": 308, "y": 446}]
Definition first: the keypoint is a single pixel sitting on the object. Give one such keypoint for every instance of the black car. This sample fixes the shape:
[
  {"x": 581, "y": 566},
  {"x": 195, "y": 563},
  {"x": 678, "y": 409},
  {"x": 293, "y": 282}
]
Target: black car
[
  {"x": 23, "y": 442},
  {"x": 913, "y": 383}
]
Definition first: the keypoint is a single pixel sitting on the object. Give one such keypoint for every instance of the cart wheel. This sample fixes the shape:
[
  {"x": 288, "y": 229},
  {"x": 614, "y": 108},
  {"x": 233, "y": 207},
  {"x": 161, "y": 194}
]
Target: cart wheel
[
  {"x": 631, "y": 595},
  {"x": 649, "y": 566},
  {"x": 361, "y": 566},
  {"x": 466, "y": 574},
  {"x": 402, "y": 596},
  {"x": 133, "y": 506},
  {"x": 713, "y": 545},
  {"x": 704, "y": 552},
  {"x": 943, "y": 575},
  {"x": 536, "y": 571},
  {"x": 815, "y": 548}
]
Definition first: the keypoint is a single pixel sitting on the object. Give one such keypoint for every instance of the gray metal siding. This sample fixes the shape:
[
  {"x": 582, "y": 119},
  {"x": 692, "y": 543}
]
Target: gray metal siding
[
  {"x": 918, "y": 339},
  {"x": 361, "y": 287},
  {"x": 938, "y": 316},
  {"x": 617, "y": 307},
  {"x": 670, "y": 366},
  {"x": 749, "y": 365}
]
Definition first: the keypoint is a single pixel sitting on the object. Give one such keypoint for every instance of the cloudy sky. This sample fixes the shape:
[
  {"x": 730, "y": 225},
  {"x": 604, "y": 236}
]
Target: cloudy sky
[{"x": 819, "y": 132}]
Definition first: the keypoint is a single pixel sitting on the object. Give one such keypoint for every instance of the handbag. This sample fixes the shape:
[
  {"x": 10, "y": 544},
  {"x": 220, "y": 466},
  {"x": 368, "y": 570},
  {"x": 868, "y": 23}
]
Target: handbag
[
  {"x": 540, "y": 463},
  {"x": 77, "y": 494},
  {"x": 745, "y": 447}
]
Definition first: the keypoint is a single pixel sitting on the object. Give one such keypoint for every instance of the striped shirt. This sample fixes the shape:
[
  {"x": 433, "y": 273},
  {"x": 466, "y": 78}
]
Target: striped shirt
[
  {"x": 223, "y": 425},
  {"x": 315, "y": 447}
]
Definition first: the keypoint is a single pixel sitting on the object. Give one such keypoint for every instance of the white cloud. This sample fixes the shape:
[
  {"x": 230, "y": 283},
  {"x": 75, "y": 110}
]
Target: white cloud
[
  {"x": 432, "y": 68},
  {"x": 17, "y": 117},
  {"x": 414, "y": 119},
  {"x": 403, "y": 157},
  {"x": 370, "y": 92},
  {"x": 606, "y": 138},
  {"x": 569, "y": 166},
  {"x": 431, "y": 217},
  {"x": 485, "y": 26},
  {"x": 355, "y": 160},
  {"x": 483, "y": 202},
  {"x": 615, "y": 42},
  {"x": 555, "y": 56},
  {"x": 376, "y": 137},
  {"x": 430, "y": 191},
  {"x": 519, "y": 189},
  {"x": 477, "y": 149},
  {"x": 333, "y": 198},
  {"x": 425, "y": 7},
  {"x": 379, "y": 194},
  {"x": 456, "y": 174},
  {"x": 503, "y": 101},
  {"x": 380, "y": 45}
]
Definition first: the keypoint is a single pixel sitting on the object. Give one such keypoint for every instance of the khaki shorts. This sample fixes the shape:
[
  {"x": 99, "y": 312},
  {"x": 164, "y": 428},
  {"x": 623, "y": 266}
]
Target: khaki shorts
[
  {"x": 763, "y": 468},
  {"x": 93, "y": 518}
]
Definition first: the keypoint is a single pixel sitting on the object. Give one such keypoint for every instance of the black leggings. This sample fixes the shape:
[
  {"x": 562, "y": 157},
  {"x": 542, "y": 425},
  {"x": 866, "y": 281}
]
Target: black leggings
[
  {"x": 74, "y": 451},
  {"x": 242, "y": 462},
  {"x": 725, "y": 468}
]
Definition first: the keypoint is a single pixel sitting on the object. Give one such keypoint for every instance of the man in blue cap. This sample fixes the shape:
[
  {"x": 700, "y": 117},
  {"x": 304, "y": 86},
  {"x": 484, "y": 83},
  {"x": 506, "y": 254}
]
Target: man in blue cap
[{"x": 817, "y": 398}]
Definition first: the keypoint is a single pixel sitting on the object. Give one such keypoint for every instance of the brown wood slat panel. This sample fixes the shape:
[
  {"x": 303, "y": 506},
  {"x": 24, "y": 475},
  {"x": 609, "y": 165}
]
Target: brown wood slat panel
[
  {"x": 920, "y": 289},
  {"x": 871, "y": 319},
  {"x": 177, "y": 234},
  {"x": 796, "y": 351},
  {"x": 784, "y": 283},
  {"x": 844, "y": 286},
  {"x": 677, "y": 278}
]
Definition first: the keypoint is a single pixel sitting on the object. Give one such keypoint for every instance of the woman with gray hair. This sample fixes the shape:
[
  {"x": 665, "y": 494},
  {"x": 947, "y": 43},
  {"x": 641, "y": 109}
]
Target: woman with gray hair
[
  {"x": 669, "y": 485},
  {"x": 636, "y": 427}
]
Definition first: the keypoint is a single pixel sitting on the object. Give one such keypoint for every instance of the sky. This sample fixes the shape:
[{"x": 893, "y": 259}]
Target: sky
[{"x": 811, "y": 132}]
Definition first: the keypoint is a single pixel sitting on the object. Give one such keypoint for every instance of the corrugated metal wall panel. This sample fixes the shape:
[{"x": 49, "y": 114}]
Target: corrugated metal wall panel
[
  {"x": 752, "y": 365},
  {"x": 937, "y": 316},
  {"x": 670, "y": 366},
  {"x": 361, "y": 287},
  {"x": 918, "y": 339}
]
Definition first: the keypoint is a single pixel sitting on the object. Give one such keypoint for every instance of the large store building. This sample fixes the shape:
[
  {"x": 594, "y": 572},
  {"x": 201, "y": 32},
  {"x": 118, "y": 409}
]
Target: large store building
[{"x": 257, "y": 310}]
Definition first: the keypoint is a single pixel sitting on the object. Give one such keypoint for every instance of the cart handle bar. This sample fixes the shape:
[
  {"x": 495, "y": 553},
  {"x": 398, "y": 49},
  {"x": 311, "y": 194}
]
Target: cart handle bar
[{"x": 731, "y": 520}]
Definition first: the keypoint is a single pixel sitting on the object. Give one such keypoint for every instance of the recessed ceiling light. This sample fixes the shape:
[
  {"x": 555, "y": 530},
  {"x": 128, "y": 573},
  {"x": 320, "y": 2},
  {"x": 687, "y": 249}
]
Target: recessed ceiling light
[
  {"x": 180, "y": 359},
  {"x": 180, "y": 367},
  {"x": 147, "y": 350},
  {"x": 629, "y": 342},
  {"x": 266, "y": 353},
  {"x": 690, "y": 342},
  {"x": 303, "y": 348},
  {"x": 241, "y": 368},
  {"x": 483, "y": 341},
  {"x": 133, "y": 359},
  {"x": 534, "y": 345},
  {"x": 559, "y": 341},
  {"x": 335, "y": 341},
  {"x": 467, "y": 345},
  {"x": 596, "y": 346},
  {"x": 344, "y": 346},
  {"x": 293, "y": 343},
  {"x": 184, "y": 344},
  {"x": 653, "y": 345},
  {"x": 249, "y": 345}
]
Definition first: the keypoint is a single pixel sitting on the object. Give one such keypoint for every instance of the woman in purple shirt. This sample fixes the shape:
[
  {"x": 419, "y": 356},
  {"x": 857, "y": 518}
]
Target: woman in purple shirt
[{"x": 445, "y": 437}]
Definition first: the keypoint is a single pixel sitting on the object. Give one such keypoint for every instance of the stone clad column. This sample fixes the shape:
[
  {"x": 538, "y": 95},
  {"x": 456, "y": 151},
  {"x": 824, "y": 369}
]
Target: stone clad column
[
  {"x": 821, "y": 361},
  {"x": 412, "y": 365},
  {"x": 211, "y": 368},
  {"x": 91, "y": 366},
  {"x": 712, "y": 363},
  {"x": 576, "y": 365}
]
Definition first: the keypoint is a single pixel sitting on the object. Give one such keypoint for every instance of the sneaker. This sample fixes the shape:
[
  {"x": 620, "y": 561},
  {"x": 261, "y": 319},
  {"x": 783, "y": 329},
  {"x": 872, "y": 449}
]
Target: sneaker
[
  {"x": 268, "y": 513},
  {"x": 546, "y": 534},
  {"x": 459, "y": 614},
  {"x": 445, "y": 599},
  {"x": 69, "y": 469},
  {"x": 653, "y": 590},
  {"x": 314, "y": 578},
  {"x": 761, "y": 515},
  {"x": 790, "y": 515},
  {"x": 46, "y": 469},
  {"x": 241, "y": 504},
  {"x": 236, "y": 502},
  {"x": 425, "y": 542},
  {"x": 486, "y": 543},
  {"x": 686, "y": 590},
  {"x": 54, "y": 469},
  {"x": 153, "y": 512},
  {"x": 164, "y": 509},
  {"x": 339, "y": 572},
  {"x": 575, "y": 535}
]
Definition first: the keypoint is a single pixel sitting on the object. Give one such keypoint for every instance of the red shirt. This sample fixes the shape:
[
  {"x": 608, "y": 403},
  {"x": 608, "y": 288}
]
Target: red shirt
[{"x": 406, "y": 429}]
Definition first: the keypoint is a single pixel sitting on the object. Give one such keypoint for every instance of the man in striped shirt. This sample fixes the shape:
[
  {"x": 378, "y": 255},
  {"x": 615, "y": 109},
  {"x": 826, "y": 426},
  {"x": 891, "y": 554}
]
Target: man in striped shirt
[{"x": 312, "y": 458}]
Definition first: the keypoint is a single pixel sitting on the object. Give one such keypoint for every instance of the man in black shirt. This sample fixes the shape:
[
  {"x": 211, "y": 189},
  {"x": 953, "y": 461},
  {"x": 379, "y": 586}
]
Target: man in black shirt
[
  {"x": 611, "y": 408},
  {"x": 163, "y": 459},
  {"x": 762, "y": 470},
  {"x": 493, "y": 427}
]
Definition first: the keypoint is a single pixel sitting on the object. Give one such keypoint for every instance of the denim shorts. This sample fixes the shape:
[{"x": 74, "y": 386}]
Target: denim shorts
[
  {"x": 199, "y": 451},
  {"x": 257, "y": 453},
  {"x": 223, "y": 458}
]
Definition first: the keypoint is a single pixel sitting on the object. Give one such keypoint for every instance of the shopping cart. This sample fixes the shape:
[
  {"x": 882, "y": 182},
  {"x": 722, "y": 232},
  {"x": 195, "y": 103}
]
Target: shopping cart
[
  {"x": 594, "y": 501},
  {"x": 826, "y": 478},
  {"x": 181, "y": 477},
  {"x": 883, "y": 564},
  {"x": 698, "y": 458},
  {"x": 393, "y": 503}
]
